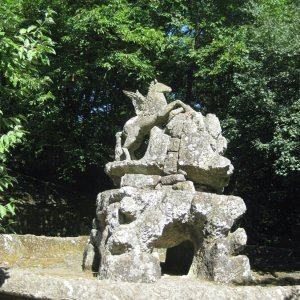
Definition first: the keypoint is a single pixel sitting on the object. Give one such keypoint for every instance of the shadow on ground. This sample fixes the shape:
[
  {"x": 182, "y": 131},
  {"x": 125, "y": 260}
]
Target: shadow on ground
[
  {"x": 275, "y": 266},
  {"x": 3, "y": 275},
  {"x": 277, "y": 279},
  {"x": 294, "y": 295}
]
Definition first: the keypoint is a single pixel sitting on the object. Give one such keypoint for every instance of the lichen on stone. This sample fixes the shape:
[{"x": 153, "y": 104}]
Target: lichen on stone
[{"x": 169, "y": 198}]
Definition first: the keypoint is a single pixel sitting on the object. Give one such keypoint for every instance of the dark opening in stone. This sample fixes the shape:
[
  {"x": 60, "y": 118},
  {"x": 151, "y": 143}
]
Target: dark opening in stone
[{"x": 178, "y": 259}]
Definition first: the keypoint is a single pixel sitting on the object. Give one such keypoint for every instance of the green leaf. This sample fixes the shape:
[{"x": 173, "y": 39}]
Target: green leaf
[
  {"x": 2, "y": 211},
  {"x": 23, "y": 31},
  {"x": 30, "y": 28},
  {"x": 10, "y": 208}
]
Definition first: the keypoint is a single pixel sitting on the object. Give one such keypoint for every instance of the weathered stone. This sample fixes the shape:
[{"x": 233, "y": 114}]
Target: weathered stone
[
  {"x": 151, "y": 163},
  {"x": 202, "y": 163},
  {"x": 150, "y": 220},
  {"x": 11, "y": 249},
  {"x": 170, "y": 166},
  {"x": 199, "y": 142},
  {"x": 151, "y": 110},
  {"x": 221, "y": 145},
  {"x": 157, "y": 147},
  {"x": 19, "y": 283},
  {"x": 184, "y": 186},
  {"x": 175, "y": 126},
  {"x": 194, "y": 122},
  {"x": 174, "y": 144},
  {"x": 229, "y": 269},
  {"x": 219, "y": 262},
  {"x": 89, "y": 259},
  {"x": 172, "y": 179},
  {"x": 129, "y": 209},
  {"x": 167, "y": 198},
  {"x": 153, "y": 102},
  {"x": 121, "y": 241},
  {"x": 140, "y": 180},
  {"x": 237, "y": 240},
  {"x": 117, "y": 169},
  {"x": 164, "y": 187},
  {"x": 213, "y": 125},
  {"x": 45, "y": 253},
  {"x": 132, "y": 267},
  {"x": 49, "y": 268},
  {"x": 219, "y": 211}
]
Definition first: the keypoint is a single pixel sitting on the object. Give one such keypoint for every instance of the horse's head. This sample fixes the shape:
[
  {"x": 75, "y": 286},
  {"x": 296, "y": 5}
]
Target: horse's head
[{"x": 157, "y": 87}]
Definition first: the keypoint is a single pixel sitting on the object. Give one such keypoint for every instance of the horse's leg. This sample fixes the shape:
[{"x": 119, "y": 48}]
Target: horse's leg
[
  {"x": 127, "y": 154},
  {"x": 179, "y": 103},
  {"x": 135, "y": 132},
  {"x": 129, "y": 142},
  {"x": 130, "y": 131},
  {"x": 175, "y": 112},
  {"x": 118, "y": 148},
  {"x": 171, "y": 106}
]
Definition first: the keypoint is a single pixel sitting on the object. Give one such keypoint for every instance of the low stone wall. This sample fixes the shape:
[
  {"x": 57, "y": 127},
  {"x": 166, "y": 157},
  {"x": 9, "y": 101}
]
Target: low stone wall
[
  {"x": 38, "y": 267},
  {"x": 42, "y": 254},
  {"x": 25, "y": 283}
]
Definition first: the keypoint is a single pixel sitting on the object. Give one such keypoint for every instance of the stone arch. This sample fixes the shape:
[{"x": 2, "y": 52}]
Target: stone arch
[
  {"x": 179, "y": 247},
  {"x": 179, "y": 259}
]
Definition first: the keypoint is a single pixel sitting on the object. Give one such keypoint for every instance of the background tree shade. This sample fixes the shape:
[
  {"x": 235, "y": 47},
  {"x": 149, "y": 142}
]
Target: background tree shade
[{"x": 239, "y": 60}]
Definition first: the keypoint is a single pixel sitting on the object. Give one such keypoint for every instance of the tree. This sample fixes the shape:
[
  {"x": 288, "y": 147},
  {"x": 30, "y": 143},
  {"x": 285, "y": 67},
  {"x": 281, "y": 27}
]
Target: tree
[
  {"x": 238, "y": 60},
  {"x": 22, "y": 50},
  {"x": 101, "y": 49},
  {"x": 11, "y": 134},
  {"x": 248, "y": 74}
]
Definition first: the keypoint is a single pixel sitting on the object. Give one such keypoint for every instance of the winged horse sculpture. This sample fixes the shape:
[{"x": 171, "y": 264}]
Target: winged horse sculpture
[{"x": 151, "y": 111}]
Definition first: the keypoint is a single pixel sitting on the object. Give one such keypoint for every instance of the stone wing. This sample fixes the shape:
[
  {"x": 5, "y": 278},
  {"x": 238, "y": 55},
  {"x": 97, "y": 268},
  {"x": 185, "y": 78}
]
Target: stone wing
[{"x": 138, "y": 100}]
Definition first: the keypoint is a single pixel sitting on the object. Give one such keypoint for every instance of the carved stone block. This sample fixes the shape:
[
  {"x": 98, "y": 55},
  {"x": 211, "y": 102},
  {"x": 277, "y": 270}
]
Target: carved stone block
[{"x": 170, "y": 166}]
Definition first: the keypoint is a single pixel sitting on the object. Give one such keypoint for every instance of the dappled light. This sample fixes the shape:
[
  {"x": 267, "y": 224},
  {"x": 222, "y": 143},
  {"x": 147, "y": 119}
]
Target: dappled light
[{"x": 132, "y": 126}]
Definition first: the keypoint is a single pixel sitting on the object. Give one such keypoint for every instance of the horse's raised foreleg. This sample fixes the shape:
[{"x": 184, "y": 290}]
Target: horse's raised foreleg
[
  {"x": 175, "y": 112},
  {"x": 171, "y": 106}
]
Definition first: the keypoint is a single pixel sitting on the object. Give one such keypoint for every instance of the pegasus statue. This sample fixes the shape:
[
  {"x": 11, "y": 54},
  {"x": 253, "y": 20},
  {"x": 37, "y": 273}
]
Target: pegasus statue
[
  {"x": 151, "y": 111},
  {"x": 153, "y": 102}
]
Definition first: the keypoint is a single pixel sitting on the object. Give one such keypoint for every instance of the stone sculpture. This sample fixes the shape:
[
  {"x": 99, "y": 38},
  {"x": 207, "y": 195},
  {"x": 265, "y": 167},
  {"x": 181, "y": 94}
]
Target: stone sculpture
[
  {"x": 151, "y": 111},
  {"x": 170, "y": 198}
]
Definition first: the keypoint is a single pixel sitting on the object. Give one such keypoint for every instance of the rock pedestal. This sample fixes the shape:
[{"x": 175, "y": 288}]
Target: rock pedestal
[{"x": 170, "y": 198}]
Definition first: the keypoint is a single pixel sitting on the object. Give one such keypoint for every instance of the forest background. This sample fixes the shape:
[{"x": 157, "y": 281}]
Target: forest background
[{"x": 64, "y": 64}]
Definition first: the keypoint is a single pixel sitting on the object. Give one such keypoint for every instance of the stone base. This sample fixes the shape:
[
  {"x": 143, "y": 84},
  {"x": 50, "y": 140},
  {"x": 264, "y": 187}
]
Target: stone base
[
  {"x": 25, "y": 284},
  {"x": 38, "y": 267},
  {"x": 131, "y": 222}
]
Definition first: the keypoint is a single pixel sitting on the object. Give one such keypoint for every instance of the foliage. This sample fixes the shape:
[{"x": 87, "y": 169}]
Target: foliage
[
  {"x": 248, "y": 73},
  {"x": 8, "y": 140},
  {"x": 22, "y": 88},
  {"x": 238, "y": 59},
  {"x": 22, "y": 51},
  {"x": 7, "y": 212}
]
